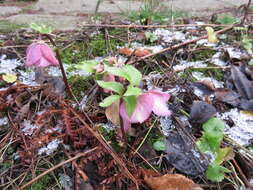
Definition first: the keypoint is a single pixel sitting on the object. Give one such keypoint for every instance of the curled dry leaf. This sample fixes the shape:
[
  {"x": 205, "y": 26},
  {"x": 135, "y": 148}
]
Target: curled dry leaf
[
  {"x": 171, "y": 182},
  {"x": 112, "y": 113},
  {"x": 138, "y": 52},
  {"x": 201, "y": 112}
]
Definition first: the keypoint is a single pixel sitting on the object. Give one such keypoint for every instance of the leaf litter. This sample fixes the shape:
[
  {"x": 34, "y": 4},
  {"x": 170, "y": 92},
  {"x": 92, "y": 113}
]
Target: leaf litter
[{"x": 43, "y": 122}]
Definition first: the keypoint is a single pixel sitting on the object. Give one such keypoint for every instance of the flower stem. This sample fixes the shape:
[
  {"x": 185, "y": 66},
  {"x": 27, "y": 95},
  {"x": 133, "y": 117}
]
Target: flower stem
[{"x": 65, "y": 80}]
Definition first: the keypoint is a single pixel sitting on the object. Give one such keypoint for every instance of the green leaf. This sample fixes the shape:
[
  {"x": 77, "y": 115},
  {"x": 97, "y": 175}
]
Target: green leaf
[
  {"x": 132, "y": 91},
  {"x": 151, "y": 36},
  {"x": 247, "y": 44},
  {"x": 203, "y": 145},
  {"x": 128, "y": 72},
  {"x": 109, "y": 100},
  {"x": 130, "y": 103},
  {"x": 216, "y": 172},
  {"x": 251, "y": 62},
  {"x": 223, "y": 154},
  {"x": 88, "y": 65},
  {"x": 214, "y": 129},
  {"x": 114, "y": 86},
  {"x": 10, "y": 78},
  {"x": 117, "y": 71},
  {"x": 227, "y": 19},
  {"x": 135, "y": 75},
  {"x": 159, "y": 146},
  {"x": 41, "y": 28}
]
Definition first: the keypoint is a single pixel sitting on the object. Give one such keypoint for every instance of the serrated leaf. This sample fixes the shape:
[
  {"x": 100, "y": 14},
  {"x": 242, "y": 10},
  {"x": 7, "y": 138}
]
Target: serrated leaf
[
  {"x": 88, "y": 65},
  {"x": 10, "y": 78},
  {"x": 224, "y": 154},
  {"x": 159, "y": 146},
  {"x": 211, "y": 35},
  {"x": 132, "y": 91},
  {"x": 113, "y": 86},
  {"x": 216, "y": 172},
  {"x": 41, "y": 28},
  {"x": 109, "y": 100},
  {"x": 128, "y": 72},
  {"x": 135, "y": 75},
  {"x": 130, "y": 104}
]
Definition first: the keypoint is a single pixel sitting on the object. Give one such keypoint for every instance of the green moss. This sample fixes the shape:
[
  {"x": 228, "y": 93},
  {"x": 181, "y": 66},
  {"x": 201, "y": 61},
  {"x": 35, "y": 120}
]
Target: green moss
[
  {"x": 203, "y": 54},
  {"x": 95, "y": 47},
  {"x": 6, "y": 26},
  {"x": 79, "y": 85},
  {"x": 45, "y": 181}
]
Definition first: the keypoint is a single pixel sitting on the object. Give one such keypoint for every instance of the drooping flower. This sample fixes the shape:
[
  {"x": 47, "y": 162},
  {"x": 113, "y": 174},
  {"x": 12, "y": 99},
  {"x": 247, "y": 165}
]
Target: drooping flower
[
  {"x": 147, "y": 102},
  {"x": 40, "y": 55}
]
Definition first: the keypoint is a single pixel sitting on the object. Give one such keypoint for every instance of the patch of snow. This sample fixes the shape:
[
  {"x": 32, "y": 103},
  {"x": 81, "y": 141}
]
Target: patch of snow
[
  {"x": 3, "y": 121},
  {"x": 242, "y": 130},
  {"x": 50, "y": 147},
  {"x": 168, "y": 36},
  {"x": 28, "y": 77},
  {"x": 83, "y": 102},
  {"x": 235, "y": 53},
  {"x": 66, "y": 182},
  {"x": 28, "y": 127},
  {"x": 201, "y": 77},
  {"x": 167, "y": 125},
  {"x": 216, "y": 60},
  {"x": 56, "y": 71},
  {"x": 185, "y": 64},
  {"x": 149, "y": 79},
  {"x": 109, "y": 126},
  {"x": 8, "y": 65}
]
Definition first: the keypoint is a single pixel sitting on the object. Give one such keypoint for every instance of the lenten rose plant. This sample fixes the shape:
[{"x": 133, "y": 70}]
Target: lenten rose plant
[{"x": 122, "y": 83}]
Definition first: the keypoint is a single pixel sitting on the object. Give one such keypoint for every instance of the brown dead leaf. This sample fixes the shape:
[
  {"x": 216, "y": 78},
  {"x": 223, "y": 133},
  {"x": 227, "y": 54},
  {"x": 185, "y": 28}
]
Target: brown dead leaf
[
  {"x": 112, "y": 113},
  {"x": 171, "y": 182},
  {"x": 138, "y": 52}
]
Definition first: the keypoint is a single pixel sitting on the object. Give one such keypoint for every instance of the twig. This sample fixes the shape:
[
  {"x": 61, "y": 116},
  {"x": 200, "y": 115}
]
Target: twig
[
  {"x": 181, "y": 44},
  {"x": 151, "y": 26},
  {"x": 65, "y": 80},
  {"x": 55, "y": 167},
  {"x": 246, "y": 12},
  {"x": 107, "y": 147}
]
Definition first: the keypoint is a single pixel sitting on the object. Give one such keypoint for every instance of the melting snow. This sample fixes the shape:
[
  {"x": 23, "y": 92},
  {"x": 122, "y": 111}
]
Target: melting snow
[
  {"x": 29, "y": 127},
  {"x": 185, "y": 64},
  {"x": 166, "y": 125},
  {"x": 3, "y": 121},
  {"x": 168, "y": 36},
  {"x": 216, "y": 60},
  {"x": 50, "y": 147},
  {"x": 8, "y": 65},
  {"x": 242, "y": 130},
  {"x": 66, "y": 182}
]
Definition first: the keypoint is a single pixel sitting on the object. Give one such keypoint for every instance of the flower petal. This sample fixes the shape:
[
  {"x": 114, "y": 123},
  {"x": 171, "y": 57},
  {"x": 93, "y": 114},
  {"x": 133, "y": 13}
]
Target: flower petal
[
  {"x": 142, "y": 111},
  {"x": 48, "y": 54},
  {"x": 33, "y": 54},
  {"x": 43, "y": 63},
  {"x": 160, "y": 99}
]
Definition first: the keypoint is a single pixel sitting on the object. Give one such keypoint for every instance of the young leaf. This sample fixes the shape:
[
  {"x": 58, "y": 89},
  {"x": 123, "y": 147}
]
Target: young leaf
[
  {"x": 128, "y": 72},
  {"x": 10, "y": 78},
  {"x": 211, "y": 35},
  {"x": 203, "y": 145},
  {"x": 109, "y": 100},
  {"x": 216, "y": 172},
  {"x": 223, "y": 154},
  {"x": 132, "y": 91},
  {"x": 159, "y": 146},
  {"x": 135, "y": 75},
  {"x": 114, "y": 86},
  {"x": 151, "y": 36},
  {"x": 130, "y": 103},
  {"x": 88, "y": 65},
  {"x": 41, "y": 28},
  {"x": 214, "y": 128}
]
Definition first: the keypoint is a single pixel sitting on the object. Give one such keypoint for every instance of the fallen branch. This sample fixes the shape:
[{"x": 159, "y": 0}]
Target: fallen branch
[
  {"x": 181, "y": 45},
  {"x": 55, "y": 167},
  {"x": 246, "y": 12}
]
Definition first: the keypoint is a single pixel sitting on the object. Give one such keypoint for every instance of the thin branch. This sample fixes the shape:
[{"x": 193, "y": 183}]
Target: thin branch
[
  {"x": 246, "y": 12},
  {"x": 55, "y": 167},
  {"x": 181, "y": 45}
]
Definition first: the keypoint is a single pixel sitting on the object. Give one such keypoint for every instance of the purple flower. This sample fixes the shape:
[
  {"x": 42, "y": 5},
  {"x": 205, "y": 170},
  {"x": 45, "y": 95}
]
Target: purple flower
[
  {"x": 40, "y": 55},
  {"x": 152, "y": 100}
]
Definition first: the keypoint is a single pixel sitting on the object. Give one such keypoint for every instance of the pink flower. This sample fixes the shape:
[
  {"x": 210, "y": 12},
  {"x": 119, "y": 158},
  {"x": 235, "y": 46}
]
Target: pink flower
[
  {"x": 152, "y": 100},
  {"x": 40, "y": 55}
]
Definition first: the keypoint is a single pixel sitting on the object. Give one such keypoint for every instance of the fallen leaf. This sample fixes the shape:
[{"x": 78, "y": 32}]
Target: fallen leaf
[
  {"x": 241, "y": 83},
  {"x": 228, "y": 96},
  {"x": 10, "y": 78},
  {"x": 171, "y": 182},
  {"x": 138, "y": 52},
  {"x": 112, "y": 113},
  {"x": 201, "y": 112},
  {"x": 211, "y": 35}
]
